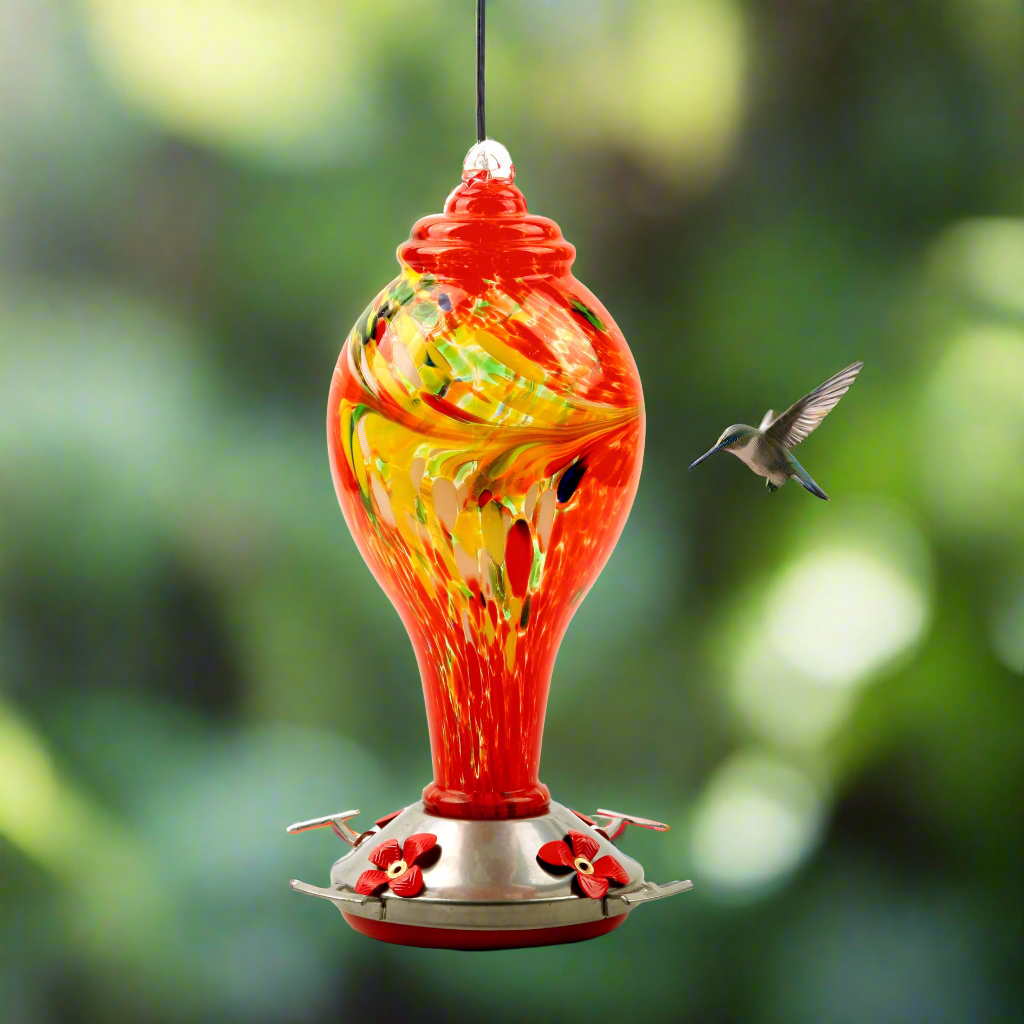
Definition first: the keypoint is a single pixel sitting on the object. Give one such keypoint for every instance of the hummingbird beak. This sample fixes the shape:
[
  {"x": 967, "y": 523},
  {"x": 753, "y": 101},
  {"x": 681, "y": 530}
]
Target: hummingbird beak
[{"x": 707, "y": 455}]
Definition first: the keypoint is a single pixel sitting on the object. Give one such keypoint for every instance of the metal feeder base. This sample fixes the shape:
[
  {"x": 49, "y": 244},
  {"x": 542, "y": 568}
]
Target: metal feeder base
[{"x": 484, "y": 885}]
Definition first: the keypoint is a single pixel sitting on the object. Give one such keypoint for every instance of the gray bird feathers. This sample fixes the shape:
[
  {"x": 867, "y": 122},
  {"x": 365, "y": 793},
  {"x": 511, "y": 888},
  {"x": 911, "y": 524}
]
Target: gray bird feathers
[{"x": 766, "y": 448}]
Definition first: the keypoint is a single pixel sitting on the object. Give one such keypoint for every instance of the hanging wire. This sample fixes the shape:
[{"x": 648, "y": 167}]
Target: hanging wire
[{"x": 481, "y": 129}]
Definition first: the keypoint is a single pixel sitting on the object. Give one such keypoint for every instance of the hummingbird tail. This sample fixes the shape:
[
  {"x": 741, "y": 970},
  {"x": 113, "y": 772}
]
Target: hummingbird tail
[
  {"x": 814, "y": 489},
  {"x": 805, "y": 479}
]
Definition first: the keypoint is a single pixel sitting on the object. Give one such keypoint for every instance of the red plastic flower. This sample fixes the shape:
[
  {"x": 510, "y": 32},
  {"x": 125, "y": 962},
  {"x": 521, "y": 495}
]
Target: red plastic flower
[
  {"x": 592, "y": 875},
  {"x": 398, "y": 868}
]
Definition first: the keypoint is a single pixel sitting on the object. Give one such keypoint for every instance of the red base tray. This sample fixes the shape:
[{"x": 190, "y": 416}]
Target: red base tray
[{"x": 473, "y": 939}]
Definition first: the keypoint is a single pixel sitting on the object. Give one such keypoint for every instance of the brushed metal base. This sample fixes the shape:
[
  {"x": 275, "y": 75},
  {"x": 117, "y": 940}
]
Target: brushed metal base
[{"x": 484, "y": 885}]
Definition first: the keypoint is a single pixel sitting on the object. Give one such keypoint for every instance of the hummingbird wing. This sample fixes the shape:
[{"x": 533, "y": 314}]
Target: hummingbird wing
[
  {"x": 803, "y": 416},
  {"x": 766, "y": 420}
]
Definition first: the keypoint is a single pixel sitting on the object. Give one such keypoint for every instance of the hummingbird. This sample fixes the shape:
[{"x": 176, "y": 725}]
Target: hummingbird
[{"x": 765, "y": 449}]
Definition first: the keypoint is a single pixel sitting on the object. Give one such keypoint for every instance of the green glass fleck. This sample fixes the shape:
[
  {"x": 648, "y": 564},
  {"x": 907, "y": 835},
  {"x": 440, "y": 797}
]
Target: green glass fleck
[{"x": 590, "y": 315}]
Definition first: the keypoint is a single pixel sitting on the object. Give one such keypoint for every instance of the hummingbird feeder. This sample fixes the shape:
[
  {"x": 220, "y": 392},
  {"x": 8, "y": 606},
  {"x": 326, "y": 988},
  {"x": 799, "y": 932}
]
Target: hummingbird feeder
[{"x": 485, "y": 428}]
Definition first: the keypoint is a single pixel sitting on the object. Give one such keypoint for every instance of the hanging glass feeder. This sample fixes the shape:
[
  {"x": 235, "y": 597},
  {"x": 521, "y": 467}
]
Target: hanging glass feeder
[{"x": 485, "y": 428}]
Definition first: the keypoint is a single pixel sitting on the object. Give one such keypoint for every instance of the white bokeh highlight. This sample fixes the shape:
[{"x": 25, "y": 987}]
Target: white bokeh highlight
[
  {"x": 758, "y": 820},
  {"x": 834, "y": 619},
  {"x": 839, "y": 613}
]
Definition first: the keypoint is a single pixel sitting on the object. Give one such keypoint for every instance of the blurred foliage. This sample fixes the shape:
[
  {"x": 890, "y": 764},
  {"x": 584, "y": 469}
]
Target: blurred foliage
[{"x": 196, "y": 199}]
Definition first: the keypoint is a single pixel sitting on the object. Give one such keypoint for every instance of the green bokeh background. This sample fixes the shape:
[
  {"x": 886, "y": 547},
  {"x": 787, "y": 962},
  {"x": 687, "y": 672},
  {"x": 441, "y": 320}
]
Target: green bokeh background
[{"x": 825, "y": 700}]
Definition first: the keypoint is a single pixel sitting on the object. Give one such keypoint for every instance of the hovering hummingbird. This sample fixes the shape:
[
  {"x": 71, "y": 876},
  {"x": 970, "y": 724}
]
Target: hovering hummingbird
[{"x": 765, "y": 449}]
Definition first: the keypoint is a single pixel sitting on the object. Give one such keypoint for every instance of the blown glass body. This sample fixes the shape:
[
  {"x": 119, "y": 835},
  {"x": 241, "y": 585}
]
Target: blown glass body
[{"x": 485, "y": 428}]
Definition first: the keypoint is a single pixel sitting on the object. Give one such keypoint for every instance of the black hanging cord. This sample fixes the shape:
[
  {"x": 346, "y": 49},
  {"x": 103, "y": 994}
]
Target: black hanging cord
[{"x": 481, "y": 129}]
